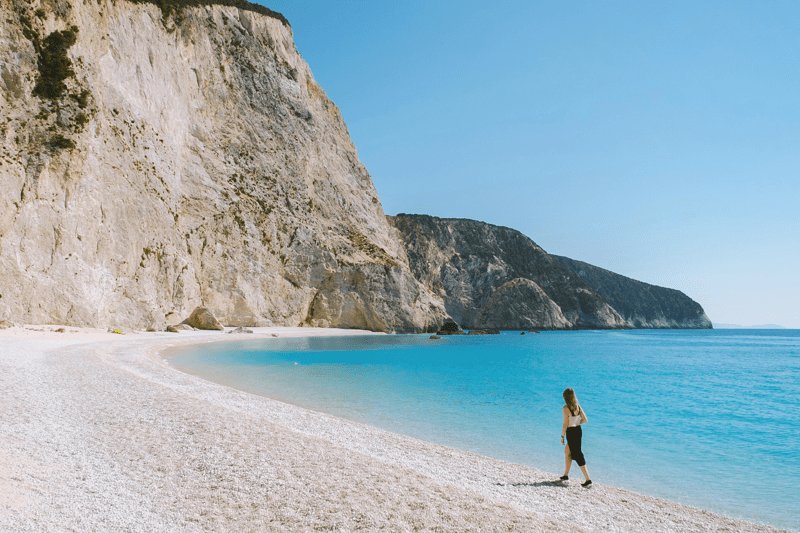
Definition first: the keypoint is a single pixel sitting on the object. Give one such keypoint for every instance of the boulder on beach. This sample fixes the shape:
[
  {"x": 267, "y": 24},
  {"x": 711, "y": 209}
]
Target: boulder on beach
[
  {"x": 177, "y": 328},
  {"x": 203, "y": 318}
]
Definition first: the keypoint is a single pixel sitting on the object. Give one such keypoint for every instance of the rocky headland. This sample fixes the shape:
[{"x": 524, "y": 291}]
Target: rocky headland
[
  {"x": 495, "y": 277},
  {"x": 641, "y": 304},
  {"x": 162, "y": 155}
]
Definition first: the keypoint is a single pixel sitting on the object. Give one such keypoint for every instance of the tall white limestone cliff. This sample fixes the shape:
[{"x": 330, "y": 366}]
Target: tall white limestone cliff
[{"x": 157, "y": 156}]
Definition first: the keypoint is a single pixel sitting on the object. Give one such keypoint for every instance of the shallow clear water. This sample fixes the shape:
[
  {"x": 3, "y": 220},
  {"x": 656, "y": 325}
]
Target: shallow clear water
[{"x": 705, "y": 418}]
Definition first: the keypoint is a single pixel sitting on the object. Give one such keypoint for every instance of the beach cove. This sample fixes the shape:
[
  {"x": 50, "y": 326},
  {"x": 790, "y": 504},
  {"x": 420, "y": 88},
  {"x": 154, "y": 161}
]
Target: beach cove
[{"x": 98, "y": 433}]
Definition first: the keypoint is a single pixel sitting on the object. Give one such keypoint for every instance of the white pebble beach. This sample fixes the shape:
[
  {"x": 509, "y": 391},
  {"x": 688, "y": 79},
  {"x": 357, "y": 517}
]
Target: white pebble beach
[{"x": 99, "y": 434}]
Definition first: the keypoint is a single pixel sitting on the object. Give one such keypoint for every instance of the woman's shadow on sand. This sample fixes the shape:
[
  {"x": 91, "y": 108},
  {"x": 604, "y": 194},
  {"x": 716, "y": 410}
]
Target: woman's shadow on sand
[{"x": 556, "y": 483}]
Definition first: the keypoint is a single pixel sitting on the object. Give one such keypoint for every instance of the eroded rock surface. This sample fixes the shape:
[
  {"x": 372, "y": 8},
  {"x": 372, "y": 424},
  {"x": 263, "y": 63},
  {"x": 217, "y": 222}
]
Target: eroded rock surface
[
  {"x": 155, "y": 161},
  {"x": 495, "y": 277},
  {"x": 641, "y": 304},
  {"x": 521, "y": 304}
]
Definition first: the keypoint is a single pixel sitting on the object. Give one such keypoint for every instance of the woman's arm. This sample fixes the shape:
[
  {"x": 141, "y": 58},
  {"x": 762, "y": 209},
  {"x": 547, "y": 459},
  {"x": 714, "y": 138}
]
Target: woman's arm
[
  {"x": 583, "y": 416},
  {"x": 564, "y": 425}
]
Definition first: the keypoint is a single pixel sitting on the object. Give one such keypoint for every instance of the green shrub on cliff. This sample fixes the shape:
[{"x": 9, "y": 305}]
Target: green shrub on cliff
[
  {"x": 54, "y": 64},
  {"x": 61, "y": 142}
]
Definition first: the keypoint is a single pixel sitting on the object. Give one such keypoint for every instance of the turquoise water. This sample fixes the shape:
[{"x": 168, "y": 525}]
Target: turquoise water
[{"x": 705, "y": 418}]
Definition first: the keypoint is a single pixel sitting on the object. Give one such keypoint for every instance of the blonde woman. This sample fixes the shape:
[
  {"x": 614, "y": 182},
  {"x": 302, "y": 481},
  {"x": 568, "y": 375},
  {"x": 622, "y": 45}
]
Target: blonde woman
[{"x": 574, "y": 416}]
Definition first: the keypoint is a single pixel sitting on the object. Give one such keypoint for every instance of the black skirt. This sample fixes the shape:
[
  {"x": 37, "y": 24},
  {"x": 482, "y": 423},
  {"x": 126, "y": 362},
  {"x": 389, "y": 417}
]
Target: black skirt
[{"x": 574, "y": 442}]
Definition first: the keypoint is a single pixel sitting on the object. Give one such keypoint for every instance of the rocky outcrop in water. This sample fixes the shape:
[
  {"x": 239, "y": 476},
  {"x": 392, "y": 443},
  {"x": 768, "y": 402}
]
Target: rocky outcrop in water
[
  {"x": 495, "y": 277},
  {"x": 159, "y": 156},
  {"x": 641, "y": 304},
  {"x": 450, "y": 328}
]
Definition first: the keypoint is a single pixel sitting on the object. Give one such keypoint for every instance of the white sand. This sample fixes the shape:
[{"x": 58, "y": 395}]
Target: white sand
[{"x": 97, "y": 433}]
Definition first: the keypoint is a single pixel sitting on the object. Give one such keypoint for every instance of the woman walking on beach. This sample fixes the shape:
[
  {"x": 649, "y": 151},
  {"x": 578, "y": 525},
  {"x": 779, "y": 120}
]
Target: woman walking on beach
[{"x": 574, "y": 416}]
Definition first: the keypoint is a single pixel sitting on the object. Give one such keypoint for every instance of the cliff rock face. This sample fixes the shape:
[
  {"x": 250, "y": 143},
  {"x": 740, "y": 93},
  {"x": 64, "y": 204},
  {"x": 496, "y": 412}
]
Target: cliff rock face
[
  {"x": 495, "y": 277},
  {"x": 153, "y": 161},
  {"x": 521, "y": 304},
  {"x": 641, "y": 304}
]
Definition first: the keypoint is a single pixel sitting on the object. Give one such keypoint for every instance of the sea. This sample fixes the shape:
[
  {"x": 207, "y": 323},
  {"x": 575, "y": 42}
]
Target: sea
[{"x": 708, "y": 418}]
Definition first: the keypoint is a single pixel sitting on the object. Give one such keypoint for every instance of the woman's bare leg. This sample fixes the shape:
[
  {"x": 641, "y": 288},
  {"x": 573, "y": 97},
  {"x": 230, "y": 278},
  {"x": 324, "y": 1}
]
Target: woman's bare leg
[
  {"x": 567, "y": 460},
  {"x": 585, "y": 472}
]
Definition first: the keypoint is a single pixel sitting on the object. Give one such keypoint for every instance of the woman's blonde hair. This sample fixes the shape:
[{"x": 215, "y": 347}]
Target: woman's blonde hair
[{"x": 570, "y": 400}]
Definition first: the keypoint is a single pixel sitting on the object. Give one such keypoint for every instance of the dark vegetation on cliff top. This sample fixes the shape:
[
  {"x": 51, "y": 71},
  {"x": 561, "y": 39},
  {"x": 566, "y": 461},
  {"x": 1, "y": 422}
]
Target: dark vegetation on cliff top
[{"x": 173, "y": 7}]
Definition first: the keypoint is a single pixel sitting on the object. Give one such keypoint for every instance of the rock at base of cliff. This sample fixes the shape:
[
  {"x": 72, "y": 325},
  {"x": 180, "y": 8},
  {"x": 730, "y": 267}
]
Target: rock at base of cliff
[
  {"x": 521, "y": 304},
  {"x": 203, "y": 318},
  {"x": 177, "y": 328},
  {"x": 450, "y": 328},
  {"x": 484, "y": 332},
  {"x": 172, "y": 319}
]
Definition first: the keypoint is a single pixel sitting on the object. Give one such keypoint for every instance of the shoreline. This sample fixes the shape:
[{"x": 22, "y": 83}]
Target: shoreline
[{"x": 101, "y": 432}]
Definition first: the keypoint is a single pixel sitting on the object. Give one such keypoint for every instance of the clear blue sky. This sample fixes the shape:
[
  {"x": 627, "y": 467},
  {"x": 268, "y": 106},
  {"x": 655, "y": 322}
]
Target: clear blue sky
[{"x": 660, "y": 140}]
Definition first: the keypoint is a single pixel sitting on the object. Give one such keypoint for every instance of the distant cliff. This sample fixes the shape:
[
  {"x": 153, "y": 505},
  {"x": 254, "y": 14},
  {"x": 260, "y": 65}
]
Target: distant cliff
[
  {"x": 495, "y": 277},
  {"x": 158, "y": 155},
  {"x": 641, "y": 304}
]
